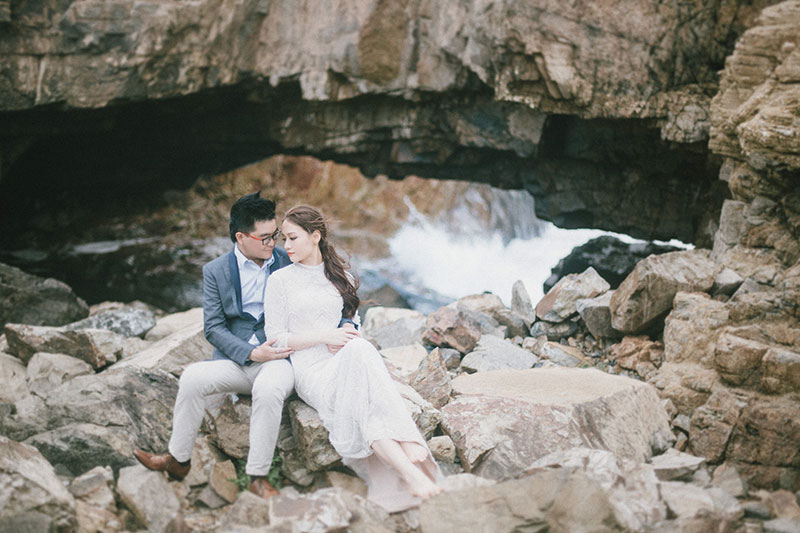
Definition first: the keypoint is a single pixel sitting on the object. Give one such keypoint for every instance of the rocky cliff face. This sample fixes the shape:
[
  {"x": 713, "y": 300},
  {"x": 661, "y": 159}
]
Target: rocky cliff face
[{"x": 573, "y": 103}]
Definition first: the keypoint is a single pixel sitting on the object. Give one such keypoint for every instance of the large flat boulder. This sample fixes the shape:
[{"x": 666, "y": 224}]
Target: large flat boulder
[
  {"x": 129, "y": 321},
  {"x": 172, "y": 353},
  {"x": 502, "y": 421},
  {"x": 647, "y": 293},
  {"x": 29, "y": 299}
]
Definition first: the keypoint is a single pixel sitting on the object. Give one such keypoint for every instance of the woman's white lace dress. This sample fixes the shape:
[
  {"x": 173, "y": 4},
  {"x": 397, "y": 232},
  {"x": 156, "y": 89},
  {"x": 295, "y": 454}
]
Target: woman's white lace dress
[{"x": 351, "y": 390}]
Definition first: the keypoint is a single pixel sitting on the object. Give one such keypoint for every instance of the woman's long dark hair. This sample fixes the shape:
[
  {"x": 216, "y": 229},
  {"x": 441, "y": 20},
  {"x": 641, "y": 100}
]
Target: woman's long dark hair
[{"x": 311, "y": 220}]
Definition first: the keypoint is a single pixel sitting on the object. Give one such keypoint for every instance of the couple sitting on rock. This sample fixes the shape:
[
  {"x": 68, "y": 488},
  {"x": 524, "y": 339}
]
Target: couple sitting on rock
[{"x": 287, "y": 319}]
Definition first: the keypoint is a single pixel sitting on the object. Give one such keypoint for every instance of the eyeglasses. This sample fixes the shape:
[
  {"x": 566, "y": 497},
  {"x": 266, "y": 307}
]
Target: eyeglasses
[{"x": 266, "y": 241}]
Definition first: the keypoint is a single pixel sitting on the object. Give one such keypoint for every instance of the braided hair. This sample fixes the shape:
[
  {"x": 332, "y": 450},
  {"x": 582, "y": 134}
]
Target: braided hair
[{"x": 311, "y": 220}]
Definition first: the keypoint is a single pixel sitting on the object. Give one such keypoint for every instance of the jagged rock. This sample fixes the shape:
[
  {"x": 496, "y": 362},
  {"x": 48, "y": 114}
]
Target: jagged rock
[
  {"x": 403, "y": 361},
  {"x": 493, "y": 353},
  {"x": 169, "y": 324},
  {"x": 453, "y": 328},
  {"x": 13, "y": 382},
  {"x": 443, "y": 448},
  {"x": 596, "y": 314},
  {"x": 500, "y": 507},
  {"x": 639, "y": 354},
  {"x": 561, "y": 355},
  {"x": 425, "y": 416},
  {"x": 782, "y": 525},
  {"x": 293, "y": 464},
  {"x": 632, "y": 489},
  {"x": 232, "y": 426},
  {"x": 674, "y": 465},
  {"x": 46, "y": 371},
  {"x": 97, "y": 347},
  {"x": 172, "y": 353},
  {"x": 33, "y": 498},
  {"x": 521, "y": 303},
  {"x": 78, "y": 447},
  {"x": 149, "y": 497},
  {"x": 713, "y": 423},
  {"x": 248, "y": 509},
  {"x": 312, "y": 437},
  {"x": 783, "y": 504},
  {"x": 24, "y": 417},
  {"x": 727, "y": 477},
  {"x": 451, "y": 358},
  {"x": 126, "y": 321},
  {"x": 647, "y": 293},
  {"x": 29, "y": 299},
  {"x": 502, "y": 421},
  {"x": 515, "y": 325},
  {"x": 687, "y": 385},
  {"x": 491, "y": 305},
  {"x": 554, "y": 331},
  {"x": 780, "y": 371},
  {"x": 690, "y": 501},
  {"x": 692, "y": 327},
  {"x": 220, "y": 480},
  {"x": 95, "y": 505},
  {"x": 204, "y": 456},
  {"x": 726, "y": 282},
  {"x": 431, "y": 380},
  {"x": 612, "y": 258},
  {"x": 208, "y": 497},
  {"x": 322, "y": 510},
  {"x": 560, "y": 302},
  {"x": 132, "y": 407},
  {"x": 387, "y": 327},
  {"x": 737, "y": 359}
]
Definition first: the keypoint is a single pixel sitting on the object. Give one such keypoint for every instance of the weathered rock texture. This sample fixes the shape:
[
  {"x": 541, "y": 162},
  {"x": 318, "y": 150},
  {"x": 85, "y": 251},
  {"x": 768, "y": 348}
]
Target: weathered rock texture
[{"x": 595, "y": 95}]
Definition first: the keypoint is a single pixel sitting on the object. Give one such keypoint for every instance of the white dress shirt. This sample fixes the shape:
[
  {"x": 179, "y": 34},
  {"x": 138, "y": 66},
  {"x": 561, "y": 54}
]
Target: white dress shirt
[{"x": 254, "y": 282}]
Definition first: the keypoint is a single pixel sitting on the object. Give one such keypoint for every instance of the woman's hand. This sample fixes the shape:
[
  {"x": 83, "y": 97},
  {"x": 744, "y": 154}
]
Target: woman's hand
[
  {"x": 265, "y": 352},
  {"x": 341, "y": 336}
]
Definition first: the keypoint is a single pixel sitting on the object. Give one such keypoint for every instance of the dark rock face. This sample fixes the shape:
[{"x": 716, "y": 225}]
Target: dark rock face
[
  {"x": 100, "y": 102},
  {"x": 610, "y": 257},
  {"x": 29, "y": 299}
]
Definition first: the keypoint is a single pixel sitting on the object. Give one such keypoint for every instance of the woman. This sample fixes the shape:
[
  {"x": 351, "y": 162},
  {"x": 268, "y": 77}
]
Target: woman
[{"x": 351, "y": 389}]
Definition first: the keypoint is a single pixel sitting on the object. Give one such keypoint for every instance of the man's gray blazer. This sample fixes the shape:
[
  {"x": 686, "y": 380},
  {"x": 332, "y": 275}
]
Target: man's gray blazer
[{"x": 226, "y": 326}]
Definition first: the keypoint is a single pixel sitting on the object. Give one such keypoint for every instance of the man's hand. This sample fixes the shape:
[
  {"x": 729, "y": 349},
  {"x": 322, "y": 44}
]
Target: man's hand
[
  {"x": 349, "y": 332},
  {"x": 265, "y": 352}
]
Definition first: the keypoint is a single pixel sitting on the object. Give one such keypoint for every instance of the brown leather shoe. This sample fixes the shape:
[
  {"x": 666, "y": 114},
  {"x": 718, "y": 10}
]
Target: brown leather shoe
[
  {"x": 261, "y": 488},
  {"x": 163, "y": 463}
]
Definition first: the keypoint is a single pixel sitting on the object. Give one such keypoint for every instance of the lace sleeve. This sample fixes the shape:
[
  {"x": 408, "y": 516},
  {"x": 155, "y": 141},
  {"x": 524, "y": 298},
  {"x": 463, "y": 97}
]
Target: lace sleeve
[{"x": 276, "y": 317}]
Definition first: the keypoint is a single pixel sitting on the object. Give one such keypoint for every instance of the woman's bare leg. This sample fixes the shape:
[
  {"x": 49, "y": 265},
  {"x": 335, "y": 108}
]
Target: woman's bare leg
[
  {"x": 391, "y": 453},
  {"x": 420, "y": 456}
]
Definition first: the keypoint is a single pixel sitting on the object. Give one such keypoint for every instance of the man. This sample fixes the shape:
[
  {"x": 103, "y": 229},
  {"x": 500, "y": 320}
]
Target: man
[{"x": 243, "y": 362}]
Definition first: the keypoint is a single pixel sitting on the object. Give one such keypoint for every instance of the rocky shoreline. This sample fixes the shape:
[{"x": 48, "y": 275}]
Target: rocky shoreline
[{"x": 549, "y": 403}]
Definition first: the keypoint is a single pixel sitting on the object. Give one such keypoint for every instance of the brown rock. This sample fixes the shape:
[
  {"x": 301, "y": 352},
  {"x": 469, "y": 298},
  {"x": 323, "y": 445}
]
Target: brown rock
[
  {"x": 639, "y": 354},
  {"x": 737, "y": 359},
  {"x": 450, "y": 327},
  {"x": 692, "y": 327},
  {"x": 431, "y": 380},
  {"x": 560, "y": 302},
  {"x": 29, "y": 299},
  {"x": 221, "y": 480},
  {"x": 647, "y": 293},
  {"x": 687, "y": 385},
  {"x": 713, "y": 423},
  {"x": 781, "y": 371}
]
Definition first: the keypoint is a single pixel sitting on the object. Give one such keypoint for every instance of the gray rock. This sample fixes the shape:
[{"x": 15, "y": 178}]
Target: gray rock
[
  {"x": 322, "y": 510},
  {"x": 95, "y": 504},
  {"x": 149, "y": 497},
  {"x": 451, "y": 358},
  {"x": 29, "y": 299},
  {"x": 449, "y": 327},
  {"x": 13, "y": 381},
  {"x": 97, "y": 347},
  {"x": 521, "y": 303},
  {"x": 425, "y": 416},
  {"x": 172, "y": 353},
  {"x": 493, "y": 353},
  {"x": 782, "y": 525},
  {"x": 690, "y": 501},
  {"x": 596, "y": 313},
  {"x": 46, "y": 371},
  {"x": 312, "y": 437},
  {"x": 726, "y": 282},
  {"x": 431, "y": 379},
  {"x": 403, "y": 361},
  {"x": 248, "y": 509},
  {"x": 204, "y": 456},
  {"x": 443, "y": 449},
  {"x": 126, "y": 321},
  {"x": 33, "y": 498},
  {"x": 504, "y": 420},
  {"x": 727, "y": 477},
  {"x": 553, "y": 331},
  {"x": 674, "y": 465},
  {"x": 169, "y": 324},
  {"x": 500, "y": 507},
  {"x": 560, "y": 302},
  {"x": 293, "y": 464},
  {"x": 647, "y": 293},
  {"x": 387, "y": 327},
  {"x": 562, "y": 355},
  {"x": 231, "y": 425}
]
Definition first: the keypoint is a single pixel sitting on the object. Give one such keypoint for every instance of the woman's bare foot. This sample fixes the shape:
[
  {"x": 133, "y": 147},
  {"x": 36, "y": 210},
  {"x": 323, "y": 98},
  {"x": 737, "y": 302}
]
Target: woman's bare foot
[
  {"x": 420, "y": 485},
  {"x": 416, "y": 452}
]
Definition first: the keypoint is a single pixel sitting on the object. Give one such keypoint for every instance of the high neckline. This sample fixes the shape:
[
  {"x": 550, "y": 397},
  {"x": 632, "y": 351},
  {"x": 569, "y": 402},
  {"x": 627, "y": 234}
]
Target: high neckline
[{"x": 311, "y": 268}]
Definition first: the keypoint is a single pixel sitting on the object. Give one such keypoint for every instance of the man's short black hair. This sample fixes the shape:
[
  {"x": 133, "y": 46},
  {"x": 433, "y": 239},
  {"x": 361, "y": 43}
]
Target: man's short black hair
[{"x": 248, "y": 210}]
